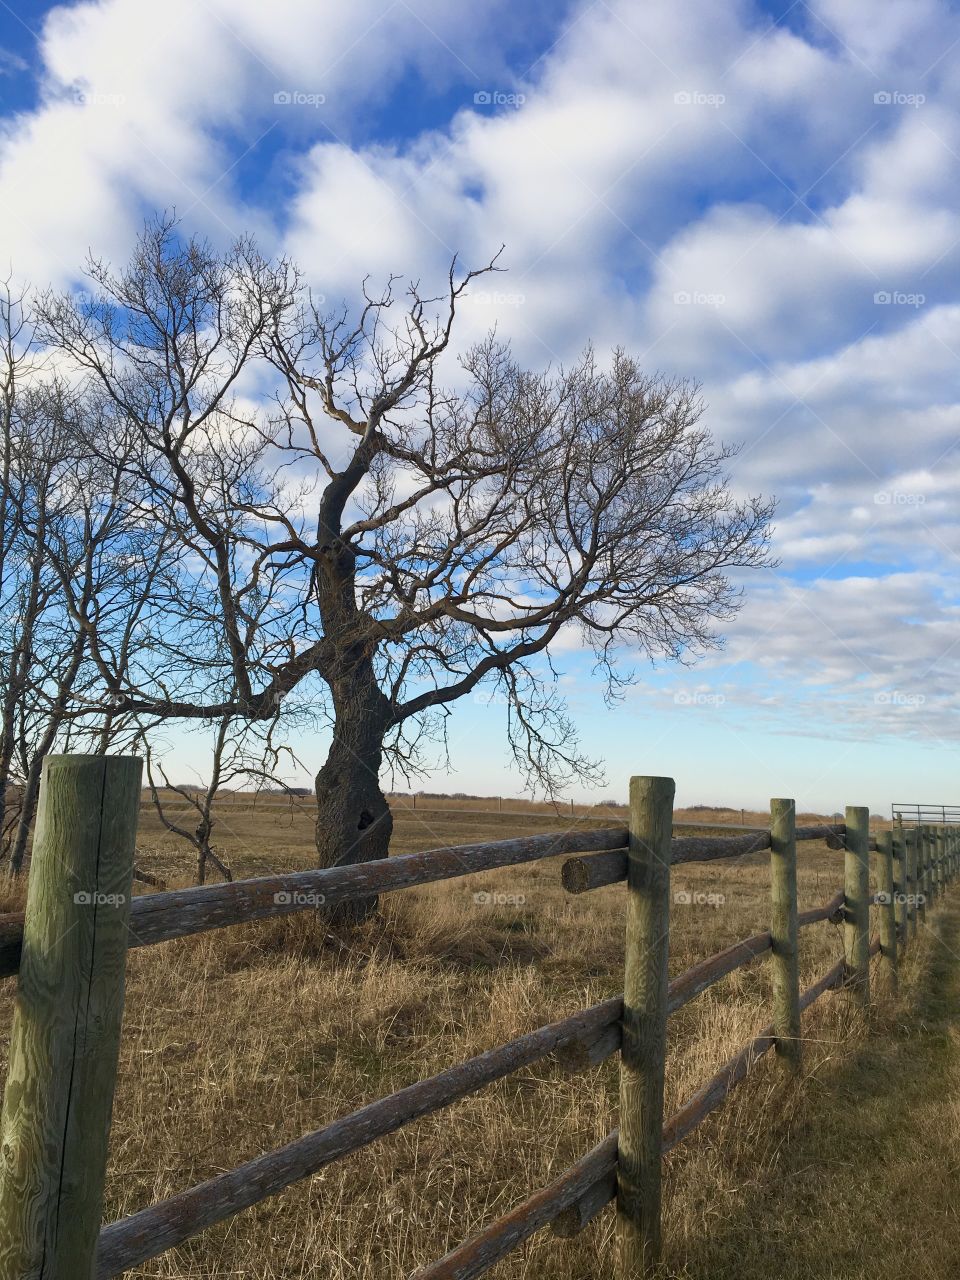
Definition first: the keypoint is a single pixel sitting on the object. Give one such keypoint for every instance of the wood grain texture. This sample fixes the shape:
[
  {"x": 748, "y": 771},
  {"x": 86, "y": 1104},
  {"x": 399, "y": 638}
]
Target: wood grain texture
[
  {"x": 644, "y": 1025},
  {"x": 856, "y": 888},
  {"x": 66, "y": 1029},
  {"x": 901, "y": 879},
  {"x": 911, "y": 842},
  {"x": 887, "y": 906}
]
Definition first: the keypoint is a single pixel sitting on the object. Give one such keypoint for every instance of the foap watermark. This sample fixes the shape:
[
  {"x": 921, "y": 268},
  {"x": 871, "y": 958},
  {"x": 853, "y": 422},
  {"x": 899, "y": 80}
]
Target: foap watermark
[
  {"x": 298, "y": 98},
  {"x": 695, "y": 98},
  {"x": 494, "y": 299},
  {"x": 897, "y": 698},
  {"x": 694, "y": 298},
  {"x": 484, "y": 899},
  {"x": 883, "y": 899},
  {"x": 698, "y": 898},
  {"x": 698, "y": 698},
  {"x": 98, "y": 98},
  {"x": 898, "y": 298},
  {"x": 898, "y": 498},
  {"x": 298, "y": 898},
  {"x": 490, "y": 698},
  {"x": 498, "y": 98},
  {"x": 897, "y": 98},
  {"x": 92, "y": 898}
]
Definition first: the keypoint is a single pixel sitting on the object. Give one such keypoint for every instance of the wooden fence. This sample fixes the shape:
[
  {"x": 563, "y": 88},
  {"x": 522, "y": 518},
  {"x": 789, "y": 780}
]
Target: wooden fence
[{"x": 69, "y": 949}]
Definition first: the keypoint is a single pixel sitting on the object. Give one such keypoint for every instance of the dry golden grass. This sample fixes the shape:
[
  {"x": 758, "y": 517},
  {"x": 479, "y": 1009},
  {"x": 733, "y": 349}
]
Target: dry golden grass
[{"x": 238, "y": 1041}]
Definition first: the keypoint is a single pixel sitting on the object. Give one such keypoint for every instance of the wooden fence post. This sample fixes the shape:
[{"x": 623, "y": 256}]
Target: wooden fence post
[
  {"x": 784, "y": 931},
  {"x": 941, "y": 861},
  {"x": 913, "y": 842},
  {"x": 901, "y": 882},
  {"x": 66, "y": 1026},
  {"x": 856, "y": 888},
  {"x": 644, "y": 1025},
  {"x": 934, "y": 864},
  {"x": 888, "y": 906},
  {"x": 922, "y": 886}
]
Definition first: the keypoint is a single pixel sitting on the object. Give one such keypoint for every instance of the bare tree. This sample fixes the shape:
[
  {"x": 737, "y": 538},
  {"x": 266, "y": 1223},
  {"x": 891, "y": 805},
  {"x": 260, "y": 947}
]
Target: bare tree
[{"x": 388, "y": 542}]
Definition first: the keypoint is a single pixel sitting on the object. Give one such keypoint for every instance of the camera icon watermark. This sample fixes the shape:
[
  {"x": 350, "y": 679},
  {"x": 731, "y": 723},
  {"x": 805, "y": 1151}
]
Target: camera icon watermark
[
  {"x": 897, "y": 698},
  {"x": 92, "y": 898},
  {"x": 298, "y": 898},
  {"x": 97, "y": 98},
  {"x": 694, "y": 98},
  {"x": 698, "y": 898},
  {"x": 896, "y": 98},
  {"x": 490, "y": 698},
  {"x": 496, "y": 299},
  {"x": 298, "y": 98},
  {"x": 898, "y": 298},
  {"x": 687, "y": 298},
  {"x": 498, "y": 98},
  {"x": 485, "y": 899},
  {"x": 898, "y": 498},
  {"x": 698, "y": 698}
]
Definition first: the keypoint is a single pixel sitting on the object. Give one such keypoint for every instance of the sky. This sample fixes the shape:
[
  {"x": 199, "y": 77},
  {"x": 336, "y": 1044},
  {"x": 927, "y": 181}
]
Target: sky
[{"x": 761, "y": 197}]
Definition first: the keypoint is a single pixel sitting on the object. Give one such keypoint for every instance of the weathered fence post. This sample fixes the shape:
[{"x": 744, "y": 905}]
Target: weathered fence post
[
  {"x": 66, "y": 1026},
  {"x": 941, "y": 861},
  {"x": 888, "y": 906},
  {"x": 913, "y": 842},
  {"x": 902, "y": 884},
  {"x": 856, "y": 888},
  {"x": 922, "y": 887},
  {"x": 934, "y": 863},
  {"x": 784, "y": 931},
  {"x": 644, "y": 1025}
]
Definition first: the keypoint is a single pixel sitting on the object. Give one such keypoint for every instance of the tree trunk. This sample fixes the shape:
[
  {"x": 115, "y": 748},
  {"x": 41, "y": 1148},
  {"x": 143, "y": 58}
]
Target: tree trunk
[
  {"x": 28, "y": 805},
  {"x": 354, "y": 822}
]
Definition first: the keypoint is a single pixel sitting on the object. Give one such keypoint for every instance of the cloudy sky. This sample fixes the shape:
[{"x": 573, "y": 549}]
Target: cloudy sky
[{"x": 764, "y": 197}]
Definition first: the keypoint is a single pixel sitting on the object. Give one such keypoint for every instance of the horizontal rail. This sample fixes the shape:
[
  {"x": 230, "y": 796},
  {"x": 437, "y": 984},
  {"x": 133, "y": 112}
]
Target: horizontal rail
[
  {"x": 831, "y": 911},
  {"x": 709, "y": 848},
  {"x": 554, "y": 1203},
  {"x": 176, "y": 913},
  {"x": 704, "y": 974},
  {"x": 832, "y": 978},
  {"x": 486, "y": 1249},
  {"x": 594, "y": 871},
  {"x": 150, "y": 1232},
  {"x": 715, "y": 1091},
  {"x": 583, "y": 1039}
]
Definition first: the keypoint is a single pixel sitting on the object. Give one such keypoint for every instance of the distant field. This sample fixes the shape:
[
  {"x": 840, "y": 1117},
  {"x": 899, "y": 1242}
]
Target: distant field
[
  {"x": 259, "y": 834},
  {"x": 238, "y": 1041}
]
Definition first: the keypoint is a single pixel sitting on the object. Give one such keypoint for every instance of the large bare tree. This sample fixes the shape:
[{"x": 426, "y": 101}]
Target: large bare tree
[{"x": 373, "y": 527}]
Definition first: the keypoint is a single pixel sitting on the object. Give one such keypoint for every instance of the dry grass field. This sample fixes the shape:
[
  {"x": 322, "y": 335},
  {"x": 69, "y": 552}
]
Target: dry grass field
[{"x": 239, "y": 1041}]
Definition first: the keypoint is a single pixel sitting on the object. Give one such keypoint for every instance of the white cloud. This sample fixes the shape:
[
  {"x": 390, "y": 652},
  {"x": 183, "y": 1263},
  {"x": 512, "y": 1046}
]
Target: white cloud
[{"x": 722, "y": 195}]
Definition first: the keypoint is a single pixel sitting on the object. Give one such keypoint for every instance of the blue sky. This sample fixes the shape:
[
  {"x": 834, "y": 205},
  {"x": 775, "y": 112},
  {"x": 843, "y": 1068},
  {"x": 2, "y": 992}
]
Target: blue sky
[{"x": 762, "y": 197}]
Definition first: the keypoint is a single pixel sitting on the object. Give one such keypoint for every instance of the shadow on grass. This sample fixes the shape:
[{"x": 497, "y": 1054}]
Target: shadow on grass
[{"x": 863, "y": 1177}]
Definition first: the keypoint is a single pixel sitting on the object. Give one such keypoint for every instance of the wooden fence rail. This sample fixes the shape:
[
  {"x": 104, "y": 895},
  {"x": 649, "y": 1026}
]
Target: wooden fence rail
[{"x": 65, "y": 1040}]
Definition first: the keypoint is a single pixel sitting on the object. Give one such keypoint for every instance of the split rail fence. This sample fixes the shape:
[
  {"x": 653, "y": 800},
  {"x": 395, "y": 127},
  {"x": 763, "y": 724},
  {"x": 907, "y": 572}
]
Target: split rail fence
[{"x": 69, "y": 948}]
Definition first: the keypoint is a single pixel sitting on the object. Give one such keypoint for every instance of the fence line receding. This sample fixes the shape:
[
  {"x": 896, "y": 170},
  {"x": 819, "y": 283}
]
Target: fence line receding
[{"x": 65, "y": 1039}]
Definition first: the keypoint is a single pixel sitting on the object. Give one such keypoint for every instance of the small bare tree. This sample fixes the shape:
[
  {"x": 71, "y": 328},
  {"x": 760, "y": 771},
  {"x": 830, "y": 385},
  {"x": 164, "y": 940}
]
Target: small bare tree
[{"x": 388, "y": 541}]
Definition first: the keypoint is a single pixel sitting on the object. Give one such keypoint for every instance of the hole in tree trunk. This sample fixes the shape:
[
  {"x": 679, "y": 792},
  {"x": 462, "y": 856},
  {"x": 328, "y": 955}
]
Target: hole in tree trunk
[{"x": 366, "y": 819}]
